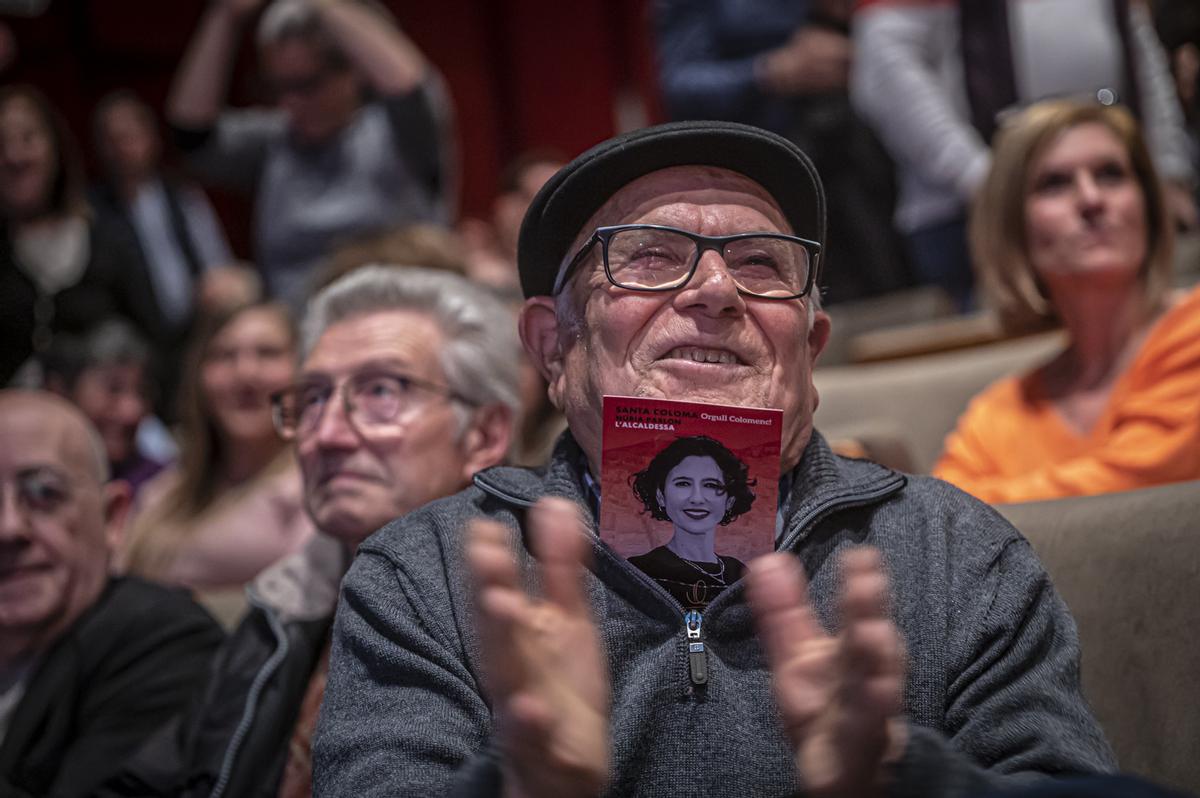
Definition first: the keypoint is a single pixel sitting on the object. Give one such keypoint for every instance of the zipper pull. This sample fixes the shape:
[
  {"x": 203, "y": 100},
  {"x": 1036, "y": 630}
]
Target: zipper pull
[{"x": 697, "y": 660}]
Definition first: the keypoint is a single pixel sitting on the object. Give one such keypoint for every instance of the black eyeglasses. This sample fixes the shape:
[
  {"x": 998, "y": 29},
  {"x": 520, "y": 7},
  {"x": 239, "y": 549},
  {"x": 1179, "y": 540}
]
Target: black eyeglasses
[
  {"x": 651, "y": 257},
  {"x": 370, "y": 400}
]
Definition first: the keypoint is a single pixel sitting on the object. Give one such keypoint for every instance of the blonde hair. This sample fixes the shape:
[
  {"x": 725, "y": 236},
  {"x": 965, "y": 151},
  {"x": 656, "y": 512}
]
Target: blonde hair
[
  {"x": 194, "y": 486},
  {"x": 998, "y": 238}
]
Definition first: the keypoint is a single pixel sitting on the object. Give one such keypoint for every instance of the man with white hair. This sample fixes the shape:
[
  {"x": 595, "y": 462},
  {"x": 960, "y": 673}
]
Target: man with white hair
[
  {"x": 407, "y": 387},
  {"x": 679, "y": 262},
  {"x": 90, "y": 665},
  {"x": 358, "y": 142}
]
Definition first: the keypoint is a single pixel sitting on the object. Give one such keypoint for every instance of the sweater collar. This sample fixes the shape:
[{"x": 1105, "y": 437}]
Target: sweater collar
[{"x": 304, "y": 585}]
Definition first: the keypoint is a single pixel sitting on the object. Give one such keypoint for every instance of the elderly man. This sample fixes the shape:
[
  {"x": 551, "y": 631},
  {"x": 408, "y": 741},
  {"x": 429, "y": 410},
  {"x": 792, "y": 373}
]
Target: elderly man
[
  {"x": 592, "y": 687},
  {"x": 90, "y": 666},
  {"x": 408, "y": 386}
]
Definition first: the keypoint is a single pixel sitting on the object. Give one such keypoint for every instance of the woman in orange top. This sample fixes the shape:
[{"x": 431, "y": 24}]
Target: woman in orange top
[{"x": 1071, "y": 227}]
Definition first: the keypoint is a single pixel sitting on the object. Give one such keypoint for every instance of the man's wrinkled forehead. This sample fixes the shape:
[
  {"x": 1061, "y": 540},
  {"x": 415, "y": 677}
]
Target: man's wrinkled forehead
[{"x": 698, "y": 185}]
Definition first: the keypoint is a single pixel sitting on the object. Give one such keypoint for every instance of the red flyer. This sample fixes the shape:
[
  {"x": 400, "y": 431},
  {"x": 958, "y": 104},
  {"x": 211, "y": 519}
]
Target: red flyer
[{"x": 689, "y": 491}]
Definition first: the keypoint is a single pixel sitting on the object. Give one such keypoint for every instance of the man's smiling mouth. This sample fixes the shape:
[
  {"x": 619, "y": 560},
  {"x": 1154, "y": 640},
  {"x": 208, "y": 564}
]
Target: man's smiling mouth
[{"x": 696, "y": 354}]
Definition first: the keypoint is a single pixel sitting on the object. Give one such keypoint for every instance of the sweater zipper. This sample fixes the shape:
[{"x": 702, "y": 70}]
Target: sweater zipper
[
  {"x": 693, "y": 620},
  {"x": 697, "y": 658}
]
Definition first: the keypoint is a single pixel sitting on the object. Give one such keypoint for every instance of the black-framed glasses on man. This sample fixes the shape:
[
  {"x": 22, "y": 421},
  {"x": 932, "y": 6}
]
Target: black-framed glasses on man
[
  {"x": 370, "y": 400},
  {"x": 650, "y": 257}
]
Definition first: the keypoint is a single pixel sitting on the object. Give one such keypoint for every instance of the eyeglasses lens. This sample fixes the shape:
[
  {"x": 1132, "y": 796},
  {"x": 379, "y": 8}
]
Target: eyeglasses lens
[{"x": 649, "y": 259}]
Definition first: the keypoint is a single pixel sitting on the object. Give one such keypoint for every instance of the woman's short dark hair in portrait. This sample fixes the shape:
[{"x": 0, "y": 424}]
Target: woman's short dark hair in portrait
[{"x": 650, "y": 481}]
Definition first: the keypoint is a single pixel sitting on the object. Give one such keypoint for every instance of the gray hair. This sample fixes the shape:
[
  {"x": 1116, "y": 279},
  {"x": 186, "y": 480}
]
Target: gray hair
[
  {"x": 482, "y": 355},
  {"x": 111, "y": 342},
  {"x": 285, "y": 19},
  {"x": 298, "y": 19}
]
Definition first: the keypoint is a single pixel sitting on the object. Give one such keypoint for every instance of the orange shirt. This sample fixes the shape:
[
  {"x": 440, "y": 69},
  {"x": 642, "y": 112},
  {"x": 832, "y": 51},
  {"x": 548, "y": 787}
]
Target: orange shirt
[{"x": 1011, "y": 445}]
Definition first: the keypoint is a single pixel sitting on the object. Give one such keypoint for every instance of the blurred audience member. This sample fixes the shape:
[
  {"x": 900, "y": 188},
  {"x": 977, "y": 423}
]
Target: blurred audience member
[
  {"x": 181, "y": 240},
  {"x": 426, "y": 245},
  {"x": 492, "y": 246},
  {"x": 178, "y": 231},
  {"x": 492, "y": 261},
  {"x": 105, "y": 373},
  {"x": 90, "y": 666},
  {"x": 358, "y": 141},
  {"x": 408, "y": 387},
  {"x": 784, "y": 65},
  {"x": 8, "y": 46},
  {"x": 934, "y": 77},
  {"x": 62, "y": 269},
  {"x": 541, "y": 422},
  {"x": 1178, "y": 24},
  {"x": 1071, "y": 226},
  {"x": 191, "y": 267},
  {"x": 232, "y": 505}
]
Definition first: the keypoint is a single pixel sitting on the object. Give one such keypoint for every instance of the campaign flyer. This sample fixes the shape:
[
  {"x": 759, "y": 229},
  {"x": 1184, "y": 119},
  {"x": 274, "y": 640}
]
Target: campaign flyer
[{"x": 698, "y": 480}]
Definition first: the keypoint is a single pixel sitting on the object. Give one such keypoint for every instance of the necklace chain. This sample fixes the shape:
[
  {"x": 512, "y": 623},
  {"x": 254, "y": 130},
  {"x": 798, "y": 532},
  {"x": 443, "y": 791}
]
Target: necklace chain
[{"x": 718, "y": 576}]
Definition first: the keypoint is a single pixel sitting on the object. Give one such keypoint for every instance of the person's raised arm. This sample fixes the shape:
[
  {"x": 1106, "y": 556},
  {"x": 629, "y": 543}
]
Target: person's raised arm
[
  {"x": 392, "y": 63},
  {"x": 198, "y": 92}
]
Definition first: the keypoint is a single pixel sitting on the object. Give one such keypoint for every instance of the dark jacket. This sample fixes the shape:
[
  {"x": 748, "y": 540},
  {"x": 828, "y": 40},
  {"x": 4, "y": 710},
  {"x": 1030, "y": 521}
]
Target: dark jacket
[
  {"x": 238, "y": 745},
  {"x": 114, "y": 282},
  {"x": 110, "y": 206},
  {"x": 993, "y": 680},
  {"x": 128, "y": 666},
  {"x": 233, "y": 741}
]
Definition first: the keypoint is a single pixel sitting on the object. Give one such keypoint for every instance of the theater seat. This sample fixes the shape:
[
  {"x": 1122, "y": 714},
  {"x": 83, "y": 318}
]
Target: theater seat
[
  {"x": 1128, "y": 565},
  {"x": 911, "y": 405}
]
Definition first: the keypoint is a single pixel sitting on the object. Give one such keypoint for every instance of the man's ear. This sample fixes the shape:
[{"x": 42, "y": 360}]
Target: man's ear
[
  {"x": 818, "y": 338},
  {"x": 117, "y": 496},
  {"x": 538, "y": 325},
  {"x": 487, "y": 439}
]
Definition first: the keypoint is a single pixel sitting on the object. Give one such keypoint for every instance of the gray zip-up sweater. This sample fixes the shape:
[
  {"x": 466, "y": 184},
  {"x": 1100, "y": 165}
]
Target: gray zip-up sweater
[{"x": 993, "y": 677}]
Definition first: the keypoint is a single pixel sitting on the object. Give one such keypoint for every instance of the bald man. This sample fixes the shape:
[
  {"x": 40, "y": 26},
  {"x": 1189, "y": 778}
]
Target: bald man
[{"x": 90, "y": 665}]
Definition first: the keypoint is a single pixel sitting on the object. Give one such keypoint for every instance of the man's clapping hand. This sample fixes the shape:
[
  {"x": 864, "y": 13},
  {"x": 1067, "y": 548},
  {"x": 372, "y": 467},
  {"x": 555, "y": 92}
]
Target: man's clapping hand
[
  {"x": 840, "y": 696},
  {"x": 545, "y": 670}
]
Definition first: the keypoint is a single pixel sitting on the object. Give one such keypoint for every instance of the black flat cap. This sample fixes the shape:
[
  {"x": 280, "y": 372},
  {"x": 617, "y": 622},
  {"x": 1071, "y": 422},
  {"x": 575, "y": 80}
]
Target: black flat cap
[{"x": 559, "y": 211}]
